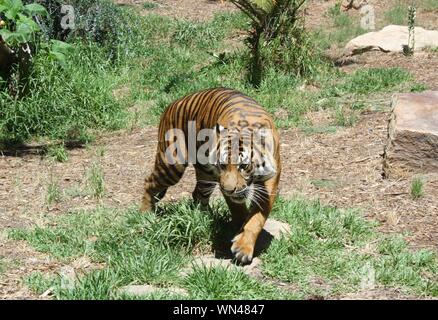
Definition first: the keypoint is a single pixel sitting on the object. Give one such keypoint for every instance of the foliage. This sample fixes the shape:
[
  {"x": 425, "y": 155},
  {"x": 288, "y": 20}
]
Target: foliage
[
  {"x": 417, "y": 188},
  {"x": 277, "y": 37},
  {"x": 19, "y": 27}
]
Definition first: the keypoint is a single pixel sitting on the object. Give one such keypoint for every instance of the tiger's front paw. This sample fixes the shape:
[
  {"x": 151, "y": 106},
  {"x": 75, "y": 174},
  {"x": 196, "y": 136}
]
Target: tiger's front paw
[{"x": 243, "y": 248}]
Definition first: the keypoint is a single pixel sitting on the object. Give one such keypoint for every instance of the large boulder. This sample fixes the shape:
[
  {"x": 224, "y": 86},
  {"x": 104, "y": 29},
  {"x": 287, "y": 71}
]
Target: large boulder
[
  {"x": 392, "y": 38},
  {"x": 412, "y": 144}
]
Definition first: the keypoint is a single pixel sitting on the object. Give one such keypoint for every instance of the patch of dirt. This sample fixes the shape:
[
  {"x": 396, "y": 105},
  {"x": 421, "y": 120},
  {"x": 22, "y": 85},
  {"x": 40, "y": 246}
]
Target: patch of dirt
[
  {"x": 21, "y": 260},
  {"x": 195, "y": 10}
]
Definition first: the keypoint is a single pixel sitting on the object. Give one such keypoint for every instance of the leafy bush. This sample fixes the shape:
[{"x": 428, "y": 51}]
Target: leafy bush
[
  {"x": 65, "y": 102},
  {"x": 277, "y": 37},
  {"x": 68, "y": 100},
  {"x": 100, "y": 21}
]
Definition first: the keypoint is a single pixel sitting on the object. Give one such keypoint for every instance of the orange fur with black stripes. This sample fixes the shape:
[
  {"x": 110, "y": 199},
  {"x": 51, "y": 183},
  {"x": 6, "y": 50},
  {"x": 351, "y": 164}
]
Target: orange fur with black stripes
[{"x": 248, "y": 189}]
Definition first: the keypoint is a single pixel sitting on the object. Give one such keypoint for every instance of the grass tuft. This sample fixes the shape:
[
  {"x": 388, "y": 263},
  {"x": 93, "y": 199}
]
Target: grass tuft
[
  {"x": 95, "y": 180},
  {"x": 54, "y": 193},
  {"x": 417, "y": 188},
  {"x": 58, "y": 153}
]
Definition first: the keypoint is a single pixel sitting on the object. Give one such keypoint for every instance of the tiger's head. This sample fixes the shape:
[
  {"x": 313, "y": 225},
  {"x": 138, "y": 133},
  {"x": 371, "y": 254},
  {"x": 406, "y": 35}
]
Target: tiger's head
[{"x": 244, "y": 158}]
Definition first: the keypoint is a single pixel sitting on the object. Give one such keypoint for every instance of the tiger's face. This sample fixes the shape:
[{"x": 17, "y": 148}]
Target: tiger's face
[
  {"x": 240, "y": 165},
  {"x": 235, "y": 180}
]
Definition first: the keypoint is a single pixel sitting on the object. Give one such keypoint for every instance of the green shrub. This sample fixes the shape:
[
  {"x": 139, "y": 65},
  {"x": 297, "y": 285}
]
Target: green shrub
[{"x": 65, "y": 102}]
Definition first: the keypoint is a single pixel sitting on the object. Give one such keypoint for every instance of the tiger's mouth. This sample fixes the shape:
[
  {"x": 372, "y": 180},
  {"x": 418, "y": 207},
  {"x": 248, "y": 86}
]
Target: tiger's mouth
[{"x": 240, "y": 196}]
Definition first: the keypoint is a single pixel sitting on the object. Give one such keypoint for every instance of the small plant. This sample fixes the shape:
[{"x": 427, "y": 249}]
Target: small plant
[
  {"x": 149, "y": 5},
  {"x": 419, "y": 87},
  {"x": 54, "y": 194},
  {"x": 58, "y": 153},
  {"x": 20, "y": 38},
  {"x": 417, "y": 188},
  {"x": 100, "y": 151},
  {"x": 344, "y": 117},
  {"x": 95, "y": 180},
  {"x": 408, "y": 49}
]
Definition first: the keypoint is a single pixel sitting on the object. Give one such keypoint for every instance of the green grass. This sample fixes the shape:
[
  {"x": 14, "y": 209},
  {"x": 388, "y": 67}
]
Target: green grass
[
  {"x": 54, "y": 192},
  {"x": 332, "y": 245},
  {"x": 95, "y": 180},
  {"x": 58, "y": 153},
  {"x": 417, "y": 188},
  {"x": 430, "y": 5},
  {"x": 344, "y": 117},
  {"x": 397, "y": 15},
  {"x": 374, "y": 80},
  {"x": 342, "y": 28},
  {"x": 65, "y": 102},
  {"x": 337, "y": 246},
  {"x": 419, "y": 87},
  {"x": 220, "y": 283},
  {"x": 149, "y": 5}
]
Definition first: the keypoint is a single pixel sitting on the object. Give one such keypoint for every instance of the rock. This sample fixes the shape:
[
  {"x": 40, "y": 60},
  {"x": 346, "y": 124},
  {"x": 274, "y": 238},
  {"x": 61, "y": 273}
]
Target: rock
[
  {"x": 412, "y": 144},
  {"x": 276, "y": 228},
  {"x": 273, "y": 230},
  {"x": 145, "y": 289},
  {"x": 68, "y": 277},
  {"x": 210, "y": 261},
  {"x": 392, "y": 38}
]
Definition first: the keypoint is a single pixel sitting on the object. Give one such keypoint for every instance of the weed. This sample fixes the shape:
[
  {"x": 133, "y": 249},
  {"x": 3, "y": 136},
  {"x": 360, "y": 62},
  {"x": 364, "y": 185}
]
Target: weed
[
  {"x": 54, "y": 193},
  {"x": 417, "y": 188},
  {"x": 419, "y": 87},
  {"x": 149, "y": 5},
  {"x": 344, "y": 117},
  {"x": 58, "y": 153},
  {"x": 95, "y": 180}
]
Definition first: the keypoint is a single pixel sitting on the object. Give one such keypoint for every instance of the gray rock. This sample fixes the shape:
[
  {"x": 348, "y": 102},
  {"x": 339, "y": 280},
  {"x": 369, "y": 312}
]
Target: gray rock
[
  {"x": 145, "y": 289},
  {"x": 412, "y": 144},
  {"x": 273, "y": 230},
  {"x": 392, "y": 38},
  {"x": 277, "y": 228},
  {"x": 68, "y": 277}
]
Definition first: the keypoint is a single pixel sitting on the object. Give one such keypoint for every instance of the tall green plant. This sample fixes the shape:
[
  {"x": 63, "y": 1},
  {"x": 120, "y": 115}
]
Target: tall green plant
[
  {"x": 20, "y": 36},
  {"x": 277, "y": 26}
]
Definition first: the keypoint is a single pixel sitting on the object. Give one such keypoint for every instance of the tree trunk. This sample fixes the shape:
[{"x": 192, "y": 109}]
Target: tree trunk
[
  {"x": 256, "y": 68},
  {"x": 7, "y": 60}
]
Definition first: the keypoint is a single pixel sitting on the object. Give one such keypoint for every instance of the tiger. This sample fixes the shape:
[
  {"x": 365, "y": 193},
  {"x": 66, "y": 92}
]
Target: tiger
[{"x": 248, "y": 179}]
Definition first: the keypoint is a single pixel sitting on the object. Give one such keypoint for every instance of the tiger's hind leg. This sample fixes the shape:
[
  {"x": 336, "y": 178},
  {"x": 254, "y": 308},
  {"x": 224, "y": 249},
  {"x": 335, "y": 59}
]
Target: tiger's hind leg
[
  {"x": 157, "y": 183},
  {"x": 203, "y": 190}
]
